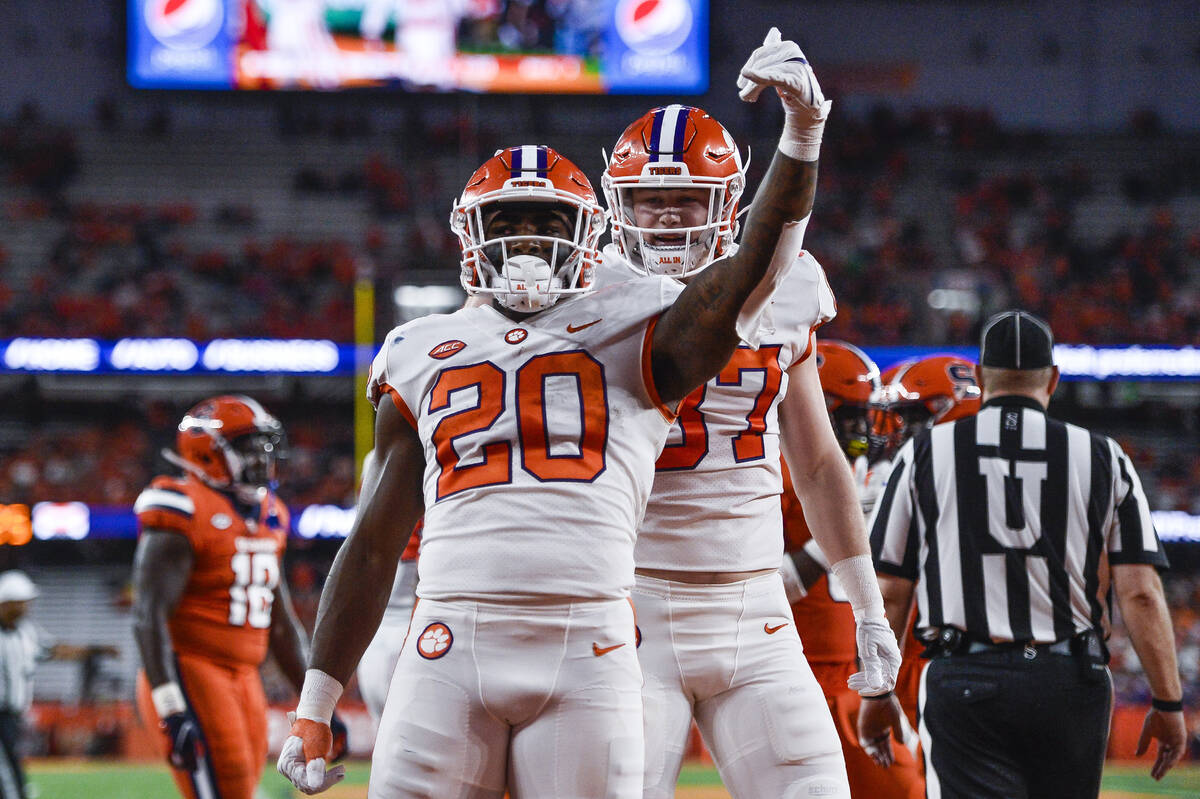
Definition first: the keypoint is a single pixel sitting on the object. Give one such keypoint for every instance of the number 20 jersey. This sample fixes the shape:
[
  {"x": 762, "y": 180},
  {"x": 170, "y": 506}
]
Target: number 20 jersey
[
  {"x": 540, "y": 437},
  {"x": 715, "y": 502},
  {"x": 225, "y": 611}
]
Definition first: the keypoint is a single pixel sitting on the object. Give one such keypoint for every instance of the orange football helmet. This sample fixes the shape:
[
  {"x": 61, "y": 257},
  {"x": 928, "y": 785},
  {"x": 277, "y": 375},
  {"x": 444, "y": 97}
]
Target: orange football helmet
[
  {"x": 533, "y": 175},
  {"x": 231, "y": 443},
  {"x": 920, "y": 394},
  {"x": 849, "y": 379},
  {"x": 675, "y": 147}
]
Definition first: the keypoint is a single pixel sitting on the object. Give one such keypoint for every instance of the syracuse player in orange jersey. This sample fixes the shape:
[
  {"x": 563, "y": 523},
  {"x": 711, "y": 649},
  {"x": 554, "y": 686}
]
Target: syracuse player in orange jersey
[
  {"x": 918, "y": 395},
  {"x": 211, "y": 598},
  {"x": 821, "y": 610}
]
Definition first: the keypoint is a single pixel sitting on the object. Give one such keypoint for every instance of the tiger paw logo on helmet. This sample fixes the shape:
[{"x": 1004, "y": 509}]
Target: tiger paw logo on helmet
[{"x": 435, "y": 641}]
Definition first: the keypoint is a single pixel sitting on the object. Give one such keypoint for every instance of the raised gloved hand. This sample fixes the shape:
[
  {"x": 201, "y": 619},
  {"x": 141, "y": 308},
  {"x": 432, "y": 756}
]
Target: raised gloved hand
[
  {"x": 304, "y": 754},
  {"x": 780, "y": 63},
  {"x": 187, "y": 744}
]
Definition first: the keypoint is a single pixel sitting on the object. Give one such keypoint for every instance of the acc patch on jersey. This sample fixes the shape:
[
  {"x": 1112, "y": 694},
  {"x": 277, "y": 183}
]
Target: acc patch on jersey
[
  {"x": 446, "y": 349},
  {"x": 435, "y": 641},
  {"x": 221, "y": 521}
]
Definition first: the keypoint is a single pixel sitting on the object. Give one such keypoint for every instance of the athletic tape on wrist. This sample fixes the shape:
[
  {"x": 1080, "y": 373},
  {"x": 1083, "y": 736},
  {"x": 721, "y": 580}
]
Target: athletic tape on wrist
[
  {"x": 857, "y": 576},
  {"x": 802, "y": 134},
  {"x": 1166, "y": 705},
  {"x": 168, "y": 699},
  {"x": 318, "y": 697}
]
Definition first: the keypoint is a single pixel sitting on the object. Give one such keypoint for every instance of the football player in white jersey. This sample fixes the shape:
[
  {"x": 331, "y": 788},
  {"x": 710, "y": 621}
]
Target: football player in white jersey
[
  {"x": 716, "y": 642},
  {"x": 526, "y": 431}
]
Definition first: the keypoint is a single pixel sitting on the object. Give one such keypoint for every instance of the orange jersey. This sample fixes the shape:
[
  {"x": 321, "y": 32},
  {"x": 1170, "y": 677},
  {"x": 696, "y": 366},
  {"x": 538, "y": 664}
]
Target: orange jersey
[
  {"x": 823, "y": 618},
  {"x": 225, "y": 611}
]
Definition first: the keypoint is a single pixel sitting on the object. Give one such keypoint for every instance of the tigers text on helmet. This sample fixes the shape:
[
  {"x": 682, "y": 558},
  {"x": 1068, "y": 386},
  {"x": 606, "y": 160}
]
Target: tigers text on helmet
[
  {"x": 676, "y": 147},
  {"x": 527, "y": 272},
  {"x": 849, "y": 378},
  {"x": 920, "y": 394},
  {"x": 230, "y": 443}
]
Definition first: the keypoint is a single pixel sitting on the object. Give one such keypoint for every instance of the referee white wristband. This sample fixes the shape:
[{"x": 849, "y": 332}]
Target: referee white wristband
[
  {"x": 857, "y": 576},
  {"x": 318, "y": 697},
  {"x": 168, "y": 699}
]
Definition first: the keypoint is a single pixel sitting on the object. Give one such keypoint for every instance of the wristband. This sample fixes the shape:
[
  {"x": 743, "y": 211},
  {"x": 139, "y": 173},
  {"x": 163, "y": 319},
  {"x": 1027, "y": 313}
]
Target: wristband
[
  {"x": 884, "y": 695},
  {"x": 1166, "y": 705},
  {"x": 814, "y": 551},
  {"x": 857, "y": 576},
  {"x": 168, "y": 699},
  {"x": 802, "y": 132},
  {"x": 318, "y": 697}
]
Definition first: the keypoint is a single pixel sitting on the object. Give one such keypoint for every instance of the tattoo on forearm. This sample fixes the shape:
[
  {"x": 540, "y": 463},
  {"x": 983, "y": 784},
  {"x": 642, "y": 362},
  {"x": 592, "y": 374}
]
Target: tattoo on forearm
[{"x": 702, "y": 318}]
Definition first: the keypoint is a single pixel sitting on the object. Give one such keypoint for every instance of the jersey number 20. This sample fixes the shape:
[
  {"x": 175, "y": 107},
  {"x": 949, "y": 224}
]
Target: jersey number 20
[{"x": 495, "y": 467}]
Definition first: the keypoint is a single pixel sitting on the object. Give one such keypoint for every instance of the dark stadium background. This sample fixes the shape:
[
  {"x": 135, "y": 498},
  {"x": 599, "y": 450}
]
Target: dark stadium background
[{"x": 980, "y": 155}]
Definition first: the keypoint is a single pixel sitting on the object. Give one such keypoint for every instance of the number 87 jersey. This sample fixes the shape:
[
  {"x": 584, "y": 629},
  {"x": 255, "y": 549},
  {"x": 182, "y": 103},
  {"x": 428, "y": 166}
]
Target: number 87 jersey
[{"x": 540, "y": 438}]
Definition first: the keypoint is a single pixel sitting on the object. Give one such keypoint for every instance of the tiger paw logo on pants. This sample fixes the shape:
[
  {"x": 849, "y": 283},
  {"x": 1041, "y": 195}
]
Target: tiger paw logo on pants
[{"x": 435, "y": 641}]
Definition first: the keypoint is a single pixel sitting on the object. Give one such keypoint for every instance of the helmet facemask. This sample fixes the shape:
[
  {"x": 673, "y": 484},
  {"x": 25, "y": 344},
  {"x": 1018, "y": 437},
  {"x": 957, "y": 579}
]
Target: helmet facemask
[
  {"x": 253, "y": 463},
  {"x": 679, "y": 250},
  {"x": 527, "y": 273},
  {"x": 547, "y": 249}
]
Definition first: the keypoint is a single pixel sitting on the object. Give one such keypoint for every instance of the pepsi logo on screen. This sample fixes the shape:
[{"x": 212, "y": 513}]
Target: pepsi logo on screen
[
  {"x": 654, "y": 26},
  {"x": 184, "y": 24}
]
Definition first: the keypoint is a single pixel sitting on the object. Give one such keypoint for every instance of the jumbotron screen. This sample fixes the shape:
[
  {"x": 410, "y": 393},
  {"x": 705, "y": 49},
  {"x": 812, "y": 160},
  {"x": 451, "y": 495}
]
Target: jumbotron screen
[{"x": 509, "y": 46}]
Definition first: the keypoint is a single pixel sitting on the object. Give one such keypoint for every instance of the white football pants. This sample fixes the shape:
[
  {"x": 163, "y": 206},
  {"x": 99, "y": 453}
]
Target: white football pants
[
  {"x": 544, "y": 700},
  {"x": 728, "y": 655}
]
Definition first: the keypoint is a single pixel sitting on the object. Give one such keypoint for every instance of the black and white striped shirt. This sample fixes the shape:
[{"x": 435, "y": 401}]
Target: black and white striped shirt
[
  {"x": 1007, "y": 521},
  {"x": 21, "y": 647}
]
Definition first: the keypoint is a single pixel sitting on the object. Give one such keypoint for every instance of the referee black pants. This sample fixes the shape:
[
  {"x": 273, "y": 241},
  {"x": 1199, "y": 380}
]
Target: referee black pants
[
  {"x": 1000, "y": 725},
  {"x": 12, "y": 778}
]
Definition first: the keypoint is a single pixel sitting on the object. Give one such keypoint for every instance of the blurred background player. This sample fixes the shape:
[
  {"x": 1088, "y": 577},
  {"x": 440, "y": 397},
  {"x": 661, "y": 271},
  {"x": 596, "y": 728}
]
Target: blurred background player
[
  {"x": 375, "y": 669},
  {"x": 22, "y": 646},
  {"x": 211, "y": 599},
  {"x": 821, "y": 610},
  {"x": 426, "y": 33},
  {"x": 918, "y": 395},
  {"x": 712, "y": 610}
]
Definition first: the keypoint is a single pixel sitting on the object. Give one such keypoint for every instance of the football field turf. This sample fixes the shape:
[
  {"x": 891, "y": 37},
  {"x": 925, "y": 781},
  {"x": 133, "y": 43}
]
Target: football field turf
[{"x": 94, "y": 779}]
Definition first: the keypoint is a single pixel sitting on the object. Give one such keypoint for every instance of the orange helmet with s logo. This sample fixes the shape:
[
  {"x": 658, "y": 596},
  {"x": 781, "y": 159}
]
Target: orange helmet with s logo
[
  {"x": 232, "y": 443},
  {"x": 920, "y": 394},
  {"x": 675, "y": 147}
]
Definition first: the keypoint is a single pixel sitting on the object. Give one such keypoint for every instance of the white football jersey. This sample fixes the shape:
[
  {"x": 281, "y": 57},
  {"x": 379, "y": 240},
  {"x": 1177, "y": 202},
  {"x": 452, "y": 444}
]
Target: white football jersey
[
  {"x": 540, "y": 438},
  {"x": 715, "y": 503}
]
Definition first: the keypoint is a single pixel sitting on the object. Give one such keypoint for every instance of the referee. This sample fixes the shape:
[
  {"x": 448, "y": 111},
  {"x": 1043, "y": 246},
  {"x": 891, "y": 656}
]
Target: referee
[{"x": 1013, "y": 528}]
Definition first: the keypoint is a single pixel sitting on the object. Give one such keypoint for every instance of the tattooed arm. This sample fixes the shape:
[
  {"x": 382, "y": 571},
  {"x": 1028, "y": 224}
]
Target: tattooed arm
[{"x": 696, "y": 336}]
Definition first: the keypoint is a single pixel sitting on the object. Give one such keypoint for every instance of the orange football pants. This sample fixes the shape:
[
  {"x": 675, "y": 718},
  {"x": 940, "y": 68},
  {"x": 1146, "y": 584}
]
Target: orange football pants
[
  {"x": 231, "y": 707},
  {"x": 904, "y": 779}
]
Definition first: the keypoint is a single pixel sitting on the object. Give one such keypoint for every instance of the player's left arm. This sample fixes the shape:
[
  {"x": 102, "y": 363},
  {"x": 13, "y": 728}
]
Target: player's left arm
[
  {"x": 825, "y": 486},
  {"x": 696, "y": 336},
  {"x": 288, "y": 641},
  {"x": 355, "y": 596}
]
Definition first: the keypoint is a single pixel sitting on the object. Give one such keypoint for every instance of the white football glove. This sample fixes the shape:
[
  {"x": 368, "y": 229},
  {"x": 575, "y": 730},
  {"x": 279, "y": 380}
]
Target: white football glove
[
  {"x": 880, "y": 656},
  {"x": 309, "y": 776},
  {"x": 781, "y": 63}
]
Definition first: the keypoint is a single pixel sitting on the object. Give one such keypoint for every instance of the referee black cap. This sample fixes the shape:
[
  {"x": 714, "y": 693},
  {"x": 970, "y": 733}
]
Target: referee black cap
[{"x": 1016, "y": 340}]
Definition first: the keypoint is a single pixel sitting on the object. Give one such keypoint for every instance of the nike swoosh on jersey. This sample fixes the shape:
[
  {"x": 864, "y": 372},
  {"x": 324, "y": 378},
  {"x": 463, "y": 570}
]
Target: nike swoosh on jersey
[
  {"x": 577, "y": 328},
  {"x": 769, "y": 630},
  {"x": 604, "y": 650}
]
